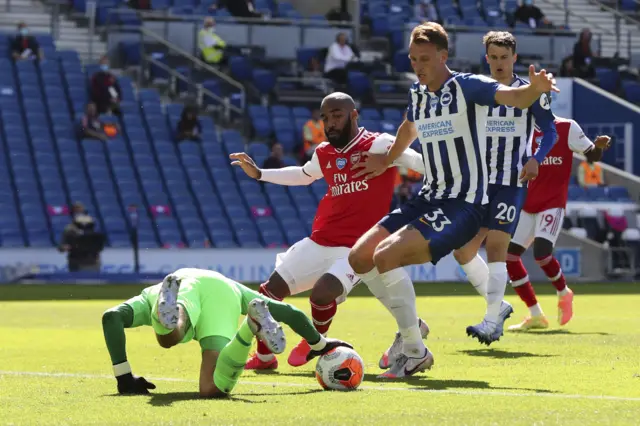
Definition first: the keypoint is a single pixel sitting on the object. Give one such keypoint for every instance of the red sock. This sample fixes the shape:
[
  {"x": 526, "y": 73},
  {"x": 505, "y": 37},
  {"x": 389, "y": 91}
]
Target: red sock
[
  {"x": 262, "y": 348},
  {"x": 527, "y": 295},
  {"x": 520, "y": 280},
  {"x": 323, "y": 315},
  {"x": 552, "y": 270}
]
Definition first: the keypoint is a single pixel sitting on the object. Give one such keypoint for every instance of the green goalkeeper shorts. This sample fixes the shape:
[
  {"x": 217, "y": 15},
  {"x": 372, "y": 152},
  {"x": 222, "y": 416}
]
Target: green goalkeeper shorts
[{"x": 213, "y": 302}]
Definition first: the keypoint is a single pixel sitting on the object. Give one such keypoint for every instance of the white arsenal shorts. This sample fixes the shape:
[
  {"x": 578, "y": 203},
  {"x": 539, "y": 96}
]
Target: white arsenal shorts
[
  {"x": 305, "y": 262},
  {"x": 546, "y": 224}
]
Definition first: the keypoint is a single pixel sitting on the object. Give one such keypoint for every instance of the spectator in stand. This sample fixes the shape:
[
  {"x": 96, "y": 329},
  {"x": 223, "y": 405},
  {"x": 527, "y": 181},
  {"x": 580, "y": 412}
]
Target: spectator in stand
[
  {"x": 105, "y": 90},
  {"x": 274, "y": 161},
  {"x": 583, "y": 55},
  {"x": 238, "y": 8},
  {"x": 531, "y": 15},
  {"x": 425, "y": 10},
  {"x": 82, "y": 243},
  {"x": 211, "y": 45},
  {"x": 339, "y": 55},
  {"x": 90, "y": 125},
  {"x": 78, "y": 208},
  {"x": 189, "y": 126},
  {"x": 313, "y": 134},
  {"x": 25, "y": 46},
  {"x": 590, "y": 174}
]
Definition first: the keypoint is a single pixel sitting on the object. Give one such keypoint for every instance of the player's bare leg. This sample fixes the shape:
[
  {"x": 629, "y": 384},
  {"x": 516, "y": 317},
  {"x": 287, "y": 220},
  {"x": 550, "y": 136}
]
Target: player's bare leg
[
  {"x": 522, "y": 286},
  {"x": 323, "y": 308},
  {"x": 177, "y": 334},
  {"x": 492, "y": 326},
  {"x": 543, "y": 253},
  {"x": 405, "y": 247},
  {"x": 361, "y": 260},
  {"x": 274, "y": 288}
]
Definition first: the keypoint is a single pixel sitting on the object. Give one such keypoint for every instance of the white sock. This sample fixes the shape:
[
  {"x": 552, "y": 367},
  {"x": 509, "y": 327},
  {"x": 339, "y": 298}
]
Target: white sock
[
  {"x": 564, "y": 291},
  {"x": 377, "y": 287},
  {"x": 412, "y": 344},
  {"x": 498, "y": 278},
  {"x": 478, "y": 274},
  {"x": 402, "y": 296},
  {"x": 536, "y": 310}
]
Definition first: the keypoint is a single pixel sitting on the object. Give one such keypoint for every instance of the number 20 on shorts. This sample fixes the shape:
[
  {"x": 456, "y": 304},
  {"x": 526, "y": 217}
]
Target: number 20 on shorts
[{"x": 506, "y": 214}]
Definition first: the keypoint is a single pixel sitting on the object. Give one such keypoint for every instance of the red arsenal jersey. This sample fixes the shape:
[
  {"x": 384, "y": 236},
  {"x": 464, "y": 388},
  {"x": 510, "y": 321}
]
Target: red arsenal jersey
[
  {"x": 352, "y": 206},
  {"x": 550, "y": 189}
]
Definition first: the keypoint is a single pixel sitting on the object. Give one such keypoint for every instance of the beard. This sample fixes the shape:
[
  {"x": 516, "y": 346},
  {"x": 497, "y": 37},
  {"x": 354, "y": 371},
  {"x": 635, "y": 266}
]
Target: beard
[{"x": 341, "y": 140}]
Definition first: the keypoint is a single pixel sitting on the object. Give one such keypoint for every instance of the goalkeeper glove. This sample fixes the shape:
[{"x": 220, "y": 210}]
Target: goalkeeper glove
[{"x": 128, "y": 384}]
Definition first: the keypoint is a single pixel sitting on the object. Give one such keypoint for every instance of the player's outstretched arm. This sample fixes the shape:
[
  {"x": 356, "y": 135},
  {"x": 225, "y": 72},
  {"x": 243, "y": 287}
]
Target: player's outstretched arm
[
  {"x": 290, "y": 176},
  {"x": 302, "y": 326},
  {"x": 114, "y": 321},
  {"x": 601, "y": 144},
  {"x": 524, "y": 96},
  {"x": 545, "y": 121},
  {"x": 375, "y": 165}
]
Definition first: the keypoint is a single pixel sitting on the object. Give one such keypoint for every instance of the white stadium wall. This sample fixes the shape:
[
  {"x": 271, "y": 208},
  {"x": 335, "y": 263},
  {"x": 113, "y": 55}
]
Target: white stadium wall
[{"x": 244, "y": 265}]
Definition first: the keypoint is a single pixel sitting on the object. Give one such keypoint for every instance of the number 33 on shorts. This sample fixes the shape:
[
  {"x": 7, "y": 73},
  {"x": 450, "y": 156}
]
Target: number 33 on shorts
[{"x": 436, "y": 220}]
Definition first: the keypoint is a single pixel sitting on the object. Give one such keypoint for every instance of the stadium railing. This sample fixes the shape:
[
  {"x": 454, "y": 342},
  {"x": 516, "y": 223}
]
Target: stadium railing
[
  {"x": 280, "y": 37},
  {"x": 147, "y": 59}
]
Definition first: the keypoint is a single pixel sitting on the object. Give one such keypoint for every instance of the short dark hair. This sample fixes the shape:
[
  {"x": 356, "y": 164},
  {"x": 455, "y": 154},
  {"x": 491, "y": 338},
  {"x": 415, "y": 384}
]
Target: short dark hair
[
  {"x": 499, "y": 38},
  {"x": 431, "y": 32}
]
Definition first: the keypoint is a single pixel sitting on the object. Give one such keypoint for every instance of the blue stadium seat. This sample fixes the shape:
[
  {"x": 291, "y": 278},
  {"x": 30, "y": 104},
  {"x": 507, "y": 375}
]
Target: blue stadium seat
[
  {"x": 264, "y": 81},
  {"x": 576, "y": 193},
  {"x": 301, "y": 112},
  {"x": 608, "y": 78},
  {"x": 618, "y": 193},
  {"x": 240, "y": 68},
  {"x": 631, "y": 90},
  {"x": 596, "y": 193},
  {"x": 281, "y": 111}
]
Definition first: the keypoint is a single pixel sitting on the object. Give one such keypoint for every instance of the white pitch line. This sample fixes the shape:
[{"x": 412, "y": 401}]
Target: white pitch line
[{"x": 365, "y": 387}]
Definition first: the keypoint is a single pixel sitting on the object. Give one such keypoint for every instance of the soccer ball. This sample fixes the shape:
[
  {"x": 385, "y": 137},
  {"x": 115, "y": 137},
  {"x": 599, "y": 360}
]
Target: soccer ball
[{"x": 340, "y": 369}]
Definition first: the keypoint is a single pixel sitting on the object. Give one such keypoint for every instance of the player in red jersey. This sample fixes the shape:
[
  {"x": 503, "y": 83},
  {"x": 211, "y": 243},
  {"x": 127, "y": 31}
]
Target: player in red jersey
[
  {"x": 541, "y": 221},
  {"x": 349, "y": 208}
]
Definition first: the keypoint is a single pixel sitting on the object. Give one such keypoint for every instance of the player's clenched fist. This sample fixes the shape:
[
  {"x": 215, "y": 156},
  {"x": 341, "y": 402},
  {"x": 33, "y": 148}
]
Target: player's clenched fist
[
  {"x": 602, "y": 142},
  {"x": 247, "y": 164},
  {"x": 128, "y": 384}
]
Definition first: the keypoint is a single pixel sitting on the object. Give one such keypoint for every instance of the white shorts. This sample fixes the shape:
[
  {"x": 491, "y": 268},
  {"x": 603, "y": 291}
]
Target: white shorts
[
  {"x": 305, "y": 262},
  {"x": 546, "y": 224}
]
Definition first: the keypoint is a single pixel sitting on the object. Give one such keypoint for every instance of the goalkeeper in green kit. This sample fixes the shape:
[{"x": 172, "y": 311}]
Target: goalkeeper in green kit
[{"x": 205, "y": 306}]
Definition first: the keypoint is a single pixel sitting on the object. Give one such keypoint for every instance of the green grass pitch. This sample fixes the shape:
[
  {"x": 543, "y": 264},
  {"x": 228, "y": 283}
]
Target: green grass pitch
[{"x": 54, "y": 367}]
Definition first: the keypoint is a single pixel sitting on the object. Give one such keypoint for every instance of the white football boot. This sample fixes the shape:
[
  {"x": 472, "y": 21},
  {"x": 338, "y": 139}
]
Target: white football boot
[
  {"x": 404, "y": 366},
  {"x": 168, "y": 302},
  {"x": 264, "y": 327},
  {"x": 389, "y": 356}
]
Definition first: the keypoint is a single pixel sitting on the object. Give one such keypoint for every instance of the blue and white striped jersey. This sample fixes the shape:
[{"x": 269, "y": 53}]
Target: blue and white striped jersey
[
  {"x": 451, "y": 125},
  {"x": 510, "y": 135}
]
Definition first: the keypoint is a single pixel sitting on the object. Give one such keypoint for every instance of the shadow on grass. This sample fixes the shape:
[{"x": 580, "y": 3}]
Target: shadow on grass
[
  {"x": 565, "y": 332},
  {"x": 500, "y": 354},
  {"x": 22, "y": 292},
  {"x": 425, "y": 383},
  {"x": 168, "y": 398}
]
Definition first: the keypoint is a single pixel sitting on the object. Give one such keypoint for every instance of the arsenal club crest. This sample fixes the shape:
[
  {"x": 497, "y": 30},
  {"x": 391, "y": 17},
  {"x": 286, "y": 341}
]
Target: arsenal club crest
[
  {"x": 355, "y": 158},
  {"x": 341, "y": 162}
]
